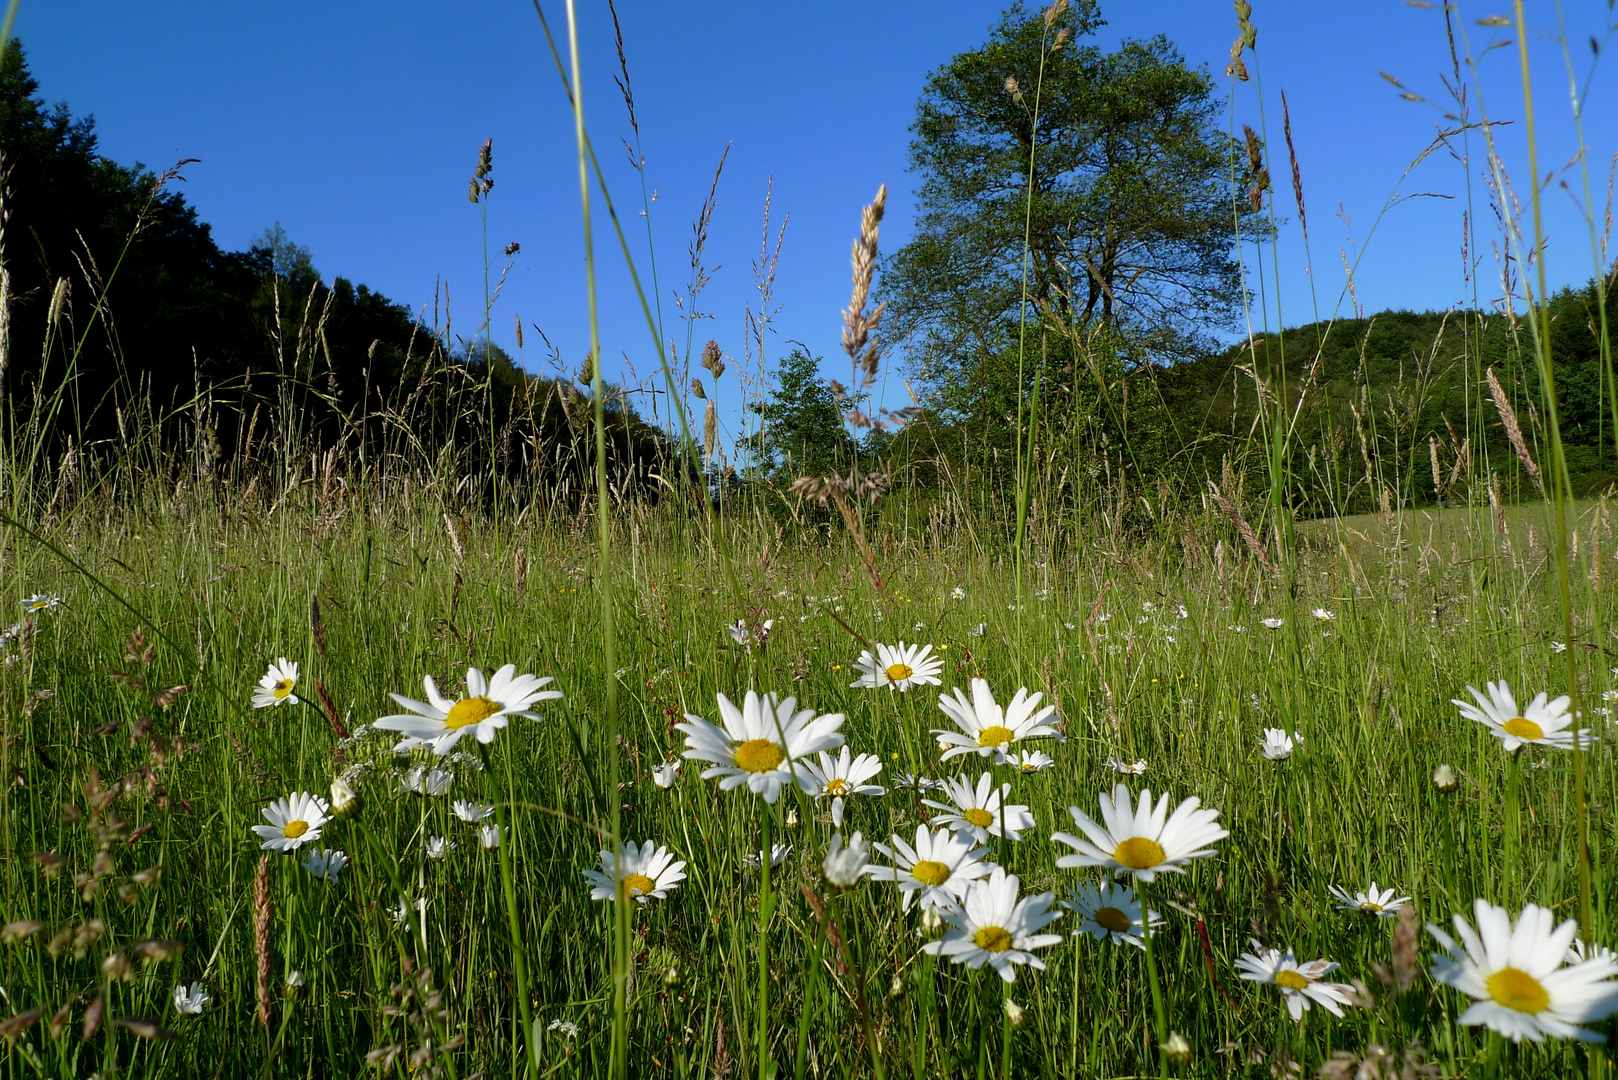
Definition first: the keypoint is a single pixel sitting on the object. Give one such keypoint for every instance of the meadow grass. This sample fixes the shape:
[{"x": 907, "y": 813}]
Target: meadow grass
[{"x": 405, "y": 589}]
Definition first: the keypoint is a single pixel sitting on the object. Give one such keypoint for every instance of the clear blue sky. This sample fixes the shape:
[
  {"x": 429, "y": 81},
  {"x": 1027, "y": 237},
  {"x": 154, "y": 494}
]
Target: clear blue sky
[{"x": 356, "y": 125}]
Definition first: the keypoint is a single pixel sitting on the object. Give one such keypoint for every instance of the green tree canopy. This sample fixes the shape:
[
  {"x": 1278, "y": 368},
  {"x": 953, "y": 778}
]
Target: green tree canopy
[{"x": 1130, "y": 225}]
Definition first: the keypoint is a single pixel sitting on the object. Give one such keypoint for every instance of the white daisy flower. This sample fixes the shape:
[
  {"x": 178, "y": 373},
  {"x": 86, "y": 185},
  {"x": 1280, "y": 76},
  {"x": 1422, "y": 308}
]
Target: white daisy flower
[
  {"x": 958, "y": 593},
  {"x": 845, "y": 866},
  {"x": 665, "y": 774},
  {"x": 1144, "y": 840},
  {"x": 438, "y": 847},
  {"x": 422, "y": 781},
  {"x": 489, "y": 836},
  {"x": 190, "y": 1002},
  {"x": 471, "y": 812},
  {"x": 979, "y": 630},
  {"x": 1517, "y": 975},
  {"x": 325, "y": 864},
  {"x": 986, "y": 728},
  {"x": 565, "y": 1028},
  {"x": 778, "y": 855},
  {"x": 1109, "y": 912},
  {"x": 935, "y": 872},
  {"x": 1277, "y": 745},
  {"x": 898, "y": 667},
  {"x": 980, "y": 811},
  {"x": 748, "y": 637},
  {"x": 1579, "y": 952},
  {"x": 644, "y": 873},
  {"x": 1272, "y": 624},
  {"x": 839, "y": 777},
  {"x": 1026, "y": 761},
  {"x": 1323, "y": 615},
  {"x": 993, "y": 926},
  {"x": 761, "y": 744},
  {"x": 441, "y": 723},
  {"x": 401, "y": 910},
  {"x": 1135, "y": 768},
  {"x": 275, "y": 688},
  {"x": 1543, "y": 722},
  {"x": 1299, "y": 984},
  {"x": 1380, "y": 903},
  {"x": 41, "y": 602},
  {"x": 916, "y": 781},
  {"x": 294, "y": 980},
  {"x": 293, "y": 822}
]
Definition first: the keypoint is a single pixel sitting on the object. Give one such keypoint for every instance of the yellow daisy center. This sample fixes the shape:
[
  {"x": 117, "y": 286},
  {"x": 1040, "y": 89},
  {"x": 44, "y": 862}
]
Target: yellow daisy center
[
  {"x": 838, "y": 788},
  {"x": 639, "y": 885},
  {"x": 1113, "y": 920},
  {"x": 1290, "y": 979},
  {"x": 1523, "y": 728},
  {"x": 759, "y": 755},
  {"x": 1139, "y": 853},
  {"x": 1370, "y": 907},
  {"x": 899, "y": 672},
  {"x": 474, "y": 710},
  {"x": 995, "y": 735},
  {"x": 295, "y": 829},
  {"x": 993, "y": 939},
  {"x": 282, "y": 688},
  {"x": 929, "y": 872},
  {"x": 1516, "y": 989},
  {"x": 979, "y": 817}
]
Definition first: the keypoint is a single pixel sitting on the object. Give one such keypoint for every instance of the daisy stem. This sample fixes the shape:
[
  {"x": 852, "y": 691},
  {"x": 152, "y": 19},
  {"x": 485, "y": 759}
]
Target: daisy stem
[
  {"x": 1513, "y": 772},
  {"x": 1005, "y": 1030},
  {"x": 765, "y": 906},
  {"x": 1151, "y": 978},
  {"x": 519, "y": 965},
  {"x": 809, "y": 1001}
]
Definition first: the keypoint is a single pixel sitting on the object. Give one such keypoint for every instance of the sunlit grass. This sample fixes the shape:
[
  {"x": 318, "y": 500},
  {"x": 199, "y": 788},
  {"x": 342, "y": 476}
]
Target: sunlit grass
[{"x": 1141, "y": 661}]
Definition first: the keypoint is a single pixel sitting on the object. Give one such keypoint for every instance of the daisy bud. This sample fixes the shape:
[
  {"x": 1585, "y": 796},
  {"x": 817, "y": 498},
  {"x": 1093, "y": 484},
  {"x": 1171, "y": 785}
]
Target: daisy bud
[
  {"x": 1444, "y": 779},
  {"x": 1176, "y": 1048},
  {"x": 896, "y": 985},
  {"x": 1014, "y": 1013},
  {"x": 792, "y": 819},
  {"x": 294, "y": 980},
  {"x": 932, "y": 923},
  {"x": 344, "y": 799},
  {"x": 671, "y": 977}
]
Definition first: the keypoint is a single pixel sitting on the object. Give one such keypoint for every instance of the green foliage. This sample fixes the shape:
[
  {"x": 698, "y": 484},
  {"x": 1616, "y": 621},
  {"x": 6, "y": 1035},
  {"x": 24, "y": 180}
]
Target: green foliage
[
  {"x": 1131, "y": 214},
  {"x": 801, "y": 430}
]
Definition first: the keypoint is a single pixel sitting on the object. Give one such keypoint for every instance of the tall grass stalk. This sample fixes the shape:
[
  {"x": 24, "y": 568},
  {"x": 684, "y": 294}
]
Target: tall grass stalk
[{"x": 609, "y": 654}]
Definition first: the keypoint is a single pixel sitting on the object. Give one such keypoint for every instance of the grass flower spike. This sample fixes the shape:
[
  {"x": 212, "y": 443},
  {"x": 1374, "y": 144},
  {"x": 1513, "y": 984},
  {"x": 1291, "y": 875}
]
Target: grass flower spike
[
  {"x": 993, "y": 926},
  {"x": 293, "y": 822},
  {"x": 761, "y": 744},
  {"x": 981, "y": 811},
  {"x": 984, "y": 727},
  {"x": 441, "y": 723},
  {"x": 1109, "y": 912},
  {"x": 644, "y": 873},
  {"x": 275, "y": 688},
  {"x": 1145, "y": 840},
  {"x": 1300, "y": 984},
  {"x": 898, "y": 667},
  {"x": 935, "y": 873},
  {"x": 1542, "y": 723},
  {"x": 839, "y": 777},
  {"x": 1519, "y": 976}
]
